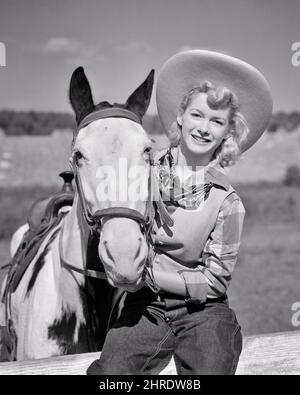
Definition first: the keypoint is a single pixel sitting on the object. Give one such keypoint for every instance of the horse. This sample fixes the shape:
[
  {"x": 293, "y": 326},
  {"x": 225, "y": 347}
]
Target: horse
[{"x": 98, "y": 250}]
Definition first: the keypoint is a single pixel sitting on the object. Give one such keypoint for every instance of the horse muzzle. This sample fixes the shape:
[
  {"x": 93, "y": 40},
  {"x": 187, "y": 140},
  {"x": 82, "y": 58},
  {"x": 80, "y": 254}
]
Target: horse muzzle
[{"x": 119, "y": 281}]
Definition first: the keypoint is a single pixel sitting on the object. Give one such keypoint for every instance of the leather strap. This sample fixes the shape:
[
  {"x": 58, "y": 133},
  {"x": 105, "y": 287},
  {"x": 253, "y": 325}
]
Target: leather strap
[
  {"x": 155, "y": 196},
  {"x": 120, "y": 212},
  {"x": 23, "y": 257},
  {"x": 85, "y": 272},
  {"x": 111, "y": 112},
  {"x": 67, "y": 265}
]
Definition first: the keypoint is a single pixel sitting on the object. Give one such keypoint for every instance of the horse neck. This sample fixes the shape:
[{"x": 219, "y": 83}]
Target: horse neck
[
  {"x": 73, "y": 248},
  {"x": 72, "y": 305}
]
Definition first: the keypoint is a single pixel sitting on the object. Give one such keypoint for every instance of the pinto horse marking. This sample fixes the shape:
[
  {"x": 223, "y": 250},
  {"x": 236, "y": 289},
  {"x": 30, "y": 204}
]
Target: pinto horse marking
[
  {"x": 40, "y": 263},
  {"x": 63, "y": 331}
]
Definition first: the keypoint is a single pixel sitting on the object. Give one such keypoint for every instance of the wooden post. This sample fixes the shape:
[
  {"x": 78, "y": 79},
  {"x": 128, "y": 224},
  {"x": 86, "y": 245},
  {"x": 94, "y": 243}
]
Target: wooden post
[{"x": 273, "y": 353}]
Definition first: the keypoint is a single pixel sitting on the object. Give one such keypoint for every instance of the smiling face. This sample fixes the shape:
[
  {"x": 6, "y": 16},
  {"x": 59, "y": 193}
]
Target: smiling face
[{"x": 203, "y": 128}]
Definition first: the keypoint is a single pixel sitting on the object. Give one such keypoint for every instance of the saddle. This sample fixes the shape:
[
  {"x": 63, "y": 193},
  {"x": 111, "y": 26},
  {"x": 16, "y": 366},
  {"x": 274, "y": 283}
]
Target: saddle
[
  {"x": 43, "y": 217},
  {"x": 45, "y": 209}
]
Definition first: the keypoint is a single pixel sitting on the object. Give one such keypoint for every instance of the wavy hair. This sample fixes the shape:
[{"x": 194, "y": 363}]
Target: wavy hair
[{"x": 217, "y": 98}]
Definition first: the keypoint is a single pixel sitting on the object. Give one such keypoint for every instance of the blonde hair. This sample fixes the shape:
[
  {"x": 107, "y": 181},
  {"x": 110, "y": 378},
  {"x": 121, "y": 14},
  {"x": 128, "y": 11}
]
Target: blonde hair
[{"x": 217, "y": 98}]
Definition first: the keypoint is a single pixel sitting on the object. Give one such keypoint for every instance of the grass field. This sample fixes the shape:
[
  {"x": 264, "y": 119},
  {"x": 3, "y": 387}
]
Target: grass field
[
  {"x": 269, "y": 159},
  {"x": 36, "y": 160},
  {"x": 266, "y": 279}
]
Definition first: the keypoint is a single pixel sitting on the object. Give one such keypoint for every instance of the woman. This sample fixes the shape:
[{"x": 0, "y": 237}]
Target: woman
[{"x": 213, "y": 107}]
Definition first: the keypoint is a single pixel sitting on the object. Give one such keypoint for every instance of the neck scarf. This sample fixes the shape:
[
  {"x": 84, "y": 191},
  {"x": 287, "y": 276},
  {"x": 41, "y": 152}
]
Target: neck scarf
[{"x": 177, "y": 193}]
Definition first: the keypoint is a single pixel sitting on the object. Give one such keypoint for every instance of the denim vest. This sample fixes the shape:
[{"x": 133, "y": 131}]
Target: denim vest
[{"x": 184, "y": 242}]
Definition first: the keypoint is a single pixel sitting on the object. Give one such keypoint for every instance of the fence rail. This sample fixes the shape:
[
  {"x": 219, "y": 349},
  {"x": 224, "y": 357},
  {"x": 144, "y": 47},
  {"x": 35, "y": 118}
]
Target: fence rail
[{"x": 274, "y": 353}]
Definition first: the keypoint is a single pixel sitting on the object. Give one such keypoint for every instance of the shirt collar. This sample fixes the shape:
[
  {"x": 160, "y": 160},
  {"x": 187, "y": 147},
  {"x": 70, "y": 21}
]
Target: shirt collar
[{"x": 214, "y": 173}]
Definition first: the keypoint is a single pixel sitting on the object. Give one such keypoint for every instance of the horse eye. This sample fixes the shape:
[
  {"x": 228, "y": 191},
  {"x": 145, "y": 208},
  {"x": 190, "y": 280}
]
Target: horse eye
[
  {"x": 77, "y": 156},
  {"x": 147, "y": 150},
  {"x": 146, "y": 153}
]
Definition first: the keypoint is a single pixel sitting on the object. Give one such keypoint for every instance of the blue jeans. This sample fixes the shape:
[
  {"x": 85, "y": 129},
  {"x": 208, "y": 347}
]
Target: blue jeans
[{"x": 203, "y": 339}]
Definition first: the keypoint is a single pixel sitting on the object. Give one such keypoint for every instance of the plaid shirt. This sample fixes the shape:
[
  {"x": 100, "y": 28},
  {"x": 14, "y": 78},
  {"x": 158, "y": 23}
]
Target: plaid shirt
[
  {"x": 211, "y": 277},
  {"x": 221, "y": 249}
]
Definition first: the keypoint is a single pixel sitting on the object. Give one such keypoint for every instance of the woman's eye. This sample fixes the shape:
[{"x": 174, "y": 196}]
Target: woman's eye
[
  {"x": 196, "y": 115},
  {"x": 218, "y": 122}
]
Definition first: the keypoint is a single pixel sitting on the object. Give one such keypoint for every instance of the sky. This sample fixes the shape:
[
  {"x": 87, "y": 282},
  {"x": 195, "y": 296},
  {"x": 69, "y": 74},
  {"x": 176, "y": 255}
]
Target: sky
[{"x": 119, "y": 41}]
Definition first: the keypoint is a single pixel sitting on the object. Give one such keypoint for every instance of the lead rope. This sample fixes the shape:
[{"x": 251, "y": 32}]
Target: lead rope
[
  {"x": 148, "y": 275},
  {"x": 67, "y": 265}
]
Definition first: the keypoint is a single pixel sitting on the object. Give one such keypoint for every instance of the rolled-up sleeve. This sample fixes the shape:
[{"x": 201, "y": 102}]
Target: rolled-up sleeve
[{"x": 212, "y": 278}]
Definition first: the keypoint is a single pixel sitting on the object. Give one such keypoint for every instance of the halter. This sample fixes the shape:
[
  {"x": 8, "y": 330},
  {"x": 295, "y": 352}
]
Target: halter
[{"x": 95, "y": 220}]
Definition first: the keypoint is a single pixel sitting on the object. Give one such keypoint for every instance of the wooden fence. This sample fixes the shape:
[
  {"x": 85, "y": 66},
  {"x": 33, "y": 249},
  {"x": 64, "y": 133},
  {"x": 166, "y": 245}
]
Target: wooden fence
[{"x": 276, "y": 353}]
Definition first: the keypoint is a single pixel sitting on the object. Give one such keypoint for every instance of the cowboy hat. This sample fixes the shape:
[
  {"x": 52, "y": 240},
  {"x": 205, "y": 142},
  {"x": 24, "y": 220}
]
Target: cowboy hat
[{"x": 185, "y": 70}]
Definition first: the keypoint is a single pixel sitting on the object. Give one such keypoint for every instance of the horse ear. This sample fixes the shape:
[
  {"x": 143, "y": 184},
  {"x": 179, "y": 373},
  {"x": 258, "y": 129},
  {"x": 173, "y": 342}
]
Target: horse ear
[
  {"x": 139, "y": 100},
  {"x": 80, "y": 94}
]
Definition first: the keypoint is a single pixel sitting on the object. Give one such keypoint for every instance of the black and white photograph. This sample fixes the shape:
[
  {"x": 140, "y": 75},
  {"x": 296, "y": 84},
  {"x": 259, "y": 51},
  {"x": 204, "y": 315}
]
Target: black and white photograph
[{"x": 150, "y": 190}]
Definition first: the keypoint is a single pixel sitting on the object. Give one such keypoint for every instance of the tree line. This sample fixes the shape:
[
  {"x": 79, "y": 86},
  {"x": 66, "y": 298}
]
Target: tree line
[
  {"x": 285, "y": 121},
  {"x": 15, "y": 123}
]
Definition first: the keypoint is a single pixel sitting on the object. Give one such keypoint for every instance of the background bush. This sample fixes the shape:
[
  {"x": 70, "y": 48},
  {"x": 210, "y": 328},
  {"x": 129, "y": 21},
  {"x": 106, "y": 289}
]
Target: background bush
[
  {"x": 292, "y": 176},
  {"x": 16, "y": 123}
]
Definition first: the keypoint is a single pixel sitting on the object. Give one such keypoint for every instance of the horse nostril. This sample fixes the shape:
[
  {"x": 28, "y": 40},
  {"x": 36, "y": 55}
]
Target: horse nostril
[{"x": 105, "y": 255}]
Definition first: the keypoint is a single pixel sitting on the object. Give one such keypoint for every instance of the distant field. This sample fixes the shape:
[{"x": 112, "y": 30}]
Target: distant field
[
  {"x": 269, "y": 158},
  {"x": 266, "y": 279},
  {"x": 36, "y": 160},
  {"x": 33, "y": 160}
]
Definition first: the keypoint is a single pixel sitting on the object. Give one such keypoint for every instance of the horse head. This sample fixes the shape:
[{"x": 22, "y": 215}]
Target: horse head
[{"x": 111, "y": 161}]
